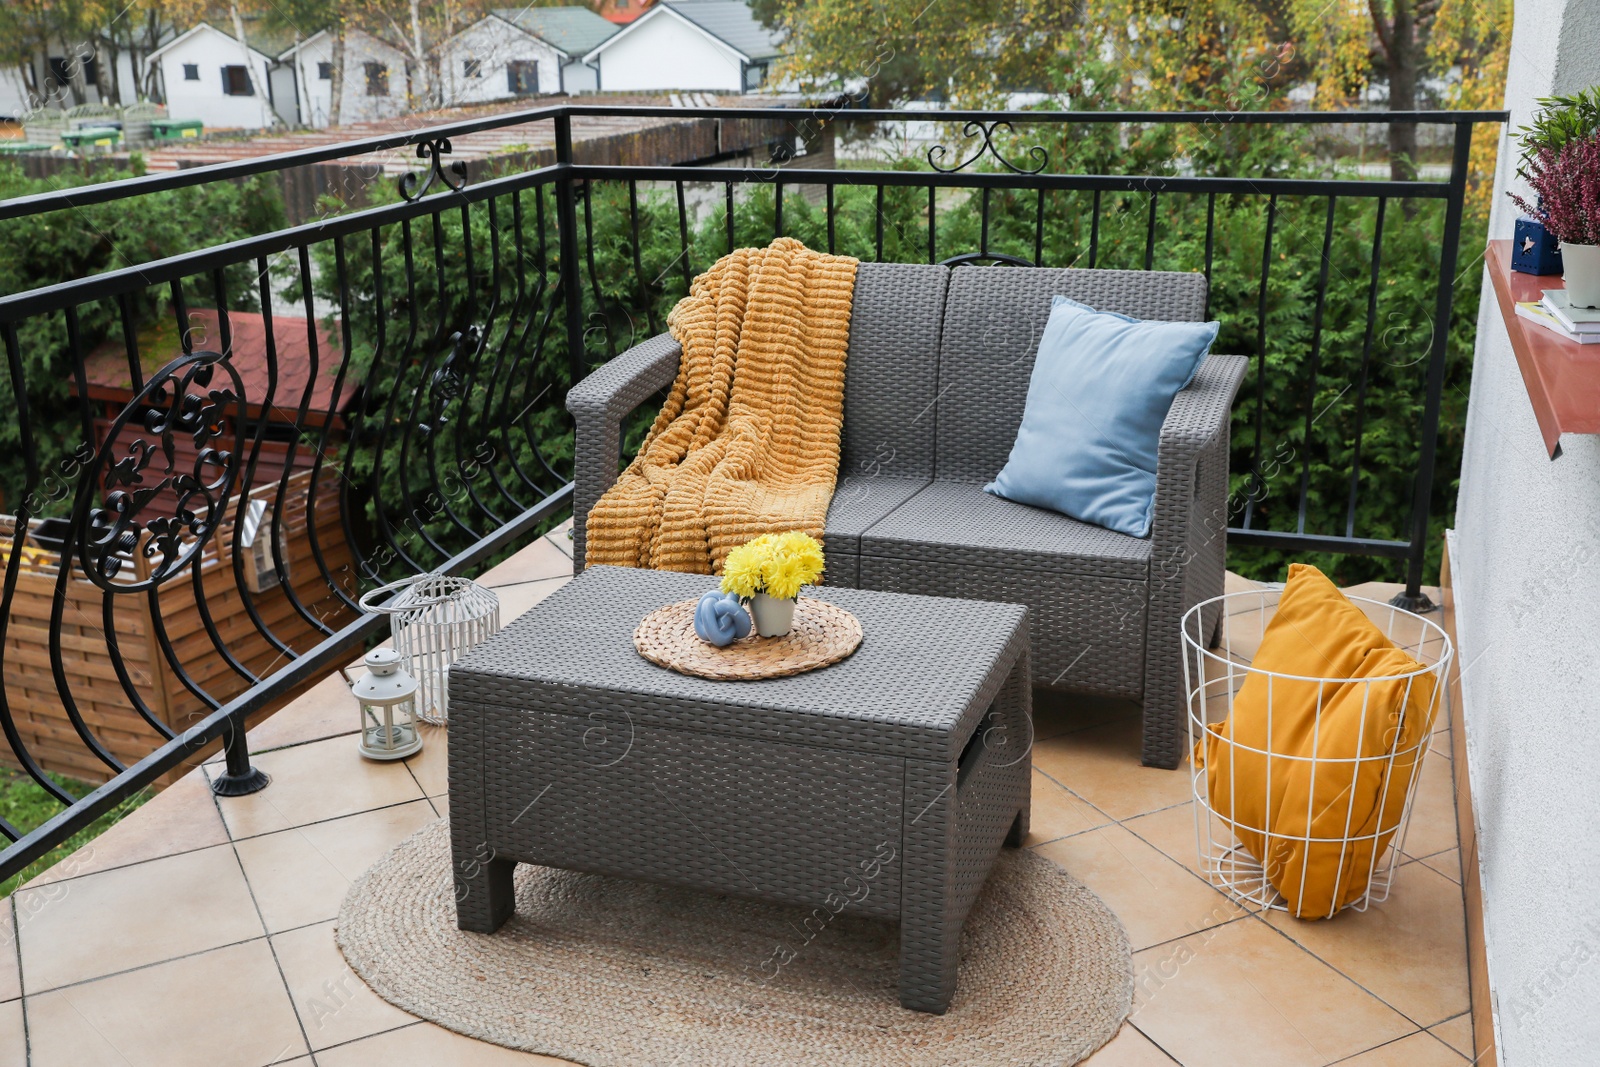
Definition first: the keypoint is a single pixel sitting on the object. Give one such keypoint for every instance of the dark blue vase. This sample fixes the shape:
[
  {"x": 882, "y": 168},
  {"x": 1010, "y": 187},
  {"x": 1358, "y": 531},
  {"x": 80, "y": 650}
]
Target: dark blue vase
[{"x": 1533, "y": 249}]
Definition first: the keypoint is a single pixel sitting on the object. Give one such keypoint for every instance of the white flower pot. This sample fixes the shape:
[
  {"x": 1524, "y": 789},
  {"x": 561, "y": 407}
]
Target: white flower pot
[
  {"x": 773, "y": 617},
  {"x": 1582, "y": 263}
]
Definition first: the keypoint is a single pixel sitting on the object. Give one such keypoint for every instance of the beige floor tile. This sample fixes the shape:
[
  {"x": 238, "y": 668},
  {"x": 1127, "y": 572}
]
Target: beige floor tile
[
  {"x": 181, "y": 818},
  {"x": 431, "y": 766},
  {"x": 322, "y": 780},
  {"x": 1171, "y": 830},
  {"x": 334, "y": 1005},
  {"x": 300, "y": 876},
  {"x": 426, "y": 1045},
  {"x": 13, "y": 1035},
  {"x": 1056, "y": 713},
  {"x": 1433, "y": 810},
  {"x": 10, "y": 975},
  {"x": 517, "y": 599},
  {"x": 1447, "y": 863},
  {"x": 324, "y": 710},
  {"x": 1242, "y": 631},
  {"x": 1457, "y": 1033},
  {"x": 132, "y": 916},
  {"x": 227, "y": 1006},
  {"x": 1129, "y": 1048},
  {"x": 542, "y": 559},
  {"x": 1156, "y": 899},
  {"x": 1242, "y": 994},
  {"x": 1411, "y": 950},
  {"x": 1418, "y": 1050},
  {"x": 1057, "y": 813},
  {"x": 1237, "y": 583},
  {"x": 1102, "y": 766}
]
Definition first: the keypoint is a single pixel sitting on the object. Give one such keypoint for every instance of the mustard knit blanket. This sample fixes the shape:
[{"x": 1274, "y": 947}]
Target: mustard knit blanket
[{"x": 748, "y": 440}]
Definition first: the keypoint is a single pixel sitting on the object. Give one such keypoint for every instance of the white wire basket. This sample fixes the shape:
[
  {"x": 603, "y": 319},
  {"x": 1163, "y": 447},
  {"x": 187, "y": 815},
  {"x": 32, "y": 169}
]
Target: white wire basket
[
  {"x": 436, "y": 619},
  {"x": 1370, "y": 838}
]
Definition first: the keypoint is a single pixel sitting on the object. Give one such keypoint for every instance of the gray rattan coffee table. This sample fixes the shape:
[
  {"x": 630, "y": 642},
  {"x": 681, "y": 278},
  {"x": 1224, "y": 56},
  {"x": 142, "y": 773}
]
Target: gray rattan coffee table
[{"x": 883, "y": 785}]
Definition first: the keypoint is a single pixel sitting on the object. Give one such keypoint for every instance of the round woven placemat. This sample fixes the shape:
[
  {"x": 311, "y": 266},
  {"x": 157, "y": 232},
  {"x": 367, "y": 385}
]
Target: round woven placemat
[
  {"x": 823, "y": 633},
  {"x": 608, "y": 972}
]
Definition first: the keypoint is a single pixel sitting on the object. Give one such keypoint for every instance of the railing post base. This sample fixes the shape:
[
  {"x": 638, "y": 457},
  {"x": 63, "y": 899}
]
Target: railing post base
[
  {"x": 229, "y": 784},
  {"x": 1417, "y": 602},
  {"x": 240, "y": 778}
]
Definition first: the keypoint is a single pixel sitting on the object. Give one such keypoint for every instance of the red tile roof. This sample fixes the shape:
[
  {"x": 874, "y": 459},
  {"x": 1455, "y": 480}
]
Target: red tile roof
[
  {"x": 623, "y": 12},
  {"x": 109, "y": 379}
]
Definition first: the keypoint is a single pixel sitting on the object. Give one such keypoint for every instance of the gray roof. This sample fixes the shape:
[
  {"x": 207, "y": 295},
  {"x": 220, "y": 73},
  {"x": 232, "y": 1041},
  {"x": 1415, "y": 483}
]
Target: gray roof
[
  {"x": 731, "y": 22},
  {"x": 573, "y": 30}
]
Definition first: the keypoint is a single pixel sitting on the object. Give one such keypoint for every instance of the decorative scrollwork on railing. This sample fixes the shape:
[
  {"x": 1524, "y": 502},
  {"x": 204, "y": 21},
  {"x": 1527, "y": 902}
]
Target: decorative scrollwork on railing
[
  {"x": 444, "y": 388},
  {"x": 414, "y": 187},
  {"x": 177, "y": 401},
  {"x": 987, "y": 131}
]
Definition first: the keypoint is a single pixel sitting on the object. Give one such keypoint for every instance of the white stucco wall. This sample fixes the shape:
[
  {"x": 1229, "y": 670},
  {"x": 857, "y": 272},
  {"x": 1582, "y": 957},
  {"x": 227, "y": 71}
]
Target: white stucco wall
[
  {"x": 493, "y": 43},
  {"x": 211, "y": 50},
  {"x": 1526, "y": 565},
  {"x": 661, "y": 52},
  {"x": 316, "y": 93}
]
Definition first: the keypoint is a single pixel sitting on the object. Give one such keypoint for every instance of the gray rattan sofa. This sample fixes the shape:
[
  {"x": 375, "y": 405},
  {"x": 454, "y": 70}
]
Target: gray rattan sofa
[{"x": 935, "y": 384}]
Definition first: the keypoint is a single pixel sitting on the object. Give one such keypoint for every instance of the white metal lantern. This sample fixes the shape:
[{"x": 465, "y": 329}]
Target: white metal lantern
[
  {"x": 388, "y": 699},
  {"x": 435, "y": 620}
]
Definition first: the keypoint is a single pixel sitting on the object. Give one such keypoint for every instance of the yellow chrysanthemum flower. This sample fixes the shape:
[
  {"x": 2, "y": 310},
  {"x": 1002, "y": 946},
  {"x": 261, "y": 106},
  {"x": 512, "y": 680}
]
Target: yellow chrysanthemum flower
[
  {"x": 804, "y": 550},
  {"x": 775, "y": 564},
  {"x": 744, "y": 570}
]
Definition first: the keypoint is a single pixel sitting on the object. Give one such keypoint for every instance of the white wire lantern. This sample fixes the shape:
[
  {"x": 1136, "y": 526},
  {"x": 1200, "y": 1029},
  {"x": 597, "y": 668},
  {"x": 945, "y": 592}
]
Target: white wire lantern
[
  {"x": 1369, "y": 830},
  {"x": 436, "y": 619}
]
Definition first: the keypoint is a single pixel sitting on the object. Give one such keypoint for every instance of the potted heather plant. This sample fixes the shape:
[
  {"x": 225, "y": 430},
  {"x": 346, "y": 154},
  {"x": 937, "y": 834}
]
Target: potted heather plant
[
  {"x": 767, "y": 573},
  {"x": 1561, "y": 163}
]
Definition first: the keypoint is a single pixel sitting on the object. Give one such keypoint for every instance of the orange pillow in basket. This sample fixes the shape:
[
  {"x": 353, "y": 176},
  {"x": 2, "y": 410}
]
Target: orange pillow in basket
[{"x": 1317, "y": 633}]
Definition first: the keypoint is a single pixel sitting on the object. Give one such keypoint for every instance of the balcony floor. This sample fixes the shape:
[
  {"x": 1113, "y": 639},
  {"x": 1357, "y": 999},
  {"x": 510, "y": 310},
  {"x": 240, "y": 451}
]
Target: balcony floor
[{"x": 199, "y": 931}]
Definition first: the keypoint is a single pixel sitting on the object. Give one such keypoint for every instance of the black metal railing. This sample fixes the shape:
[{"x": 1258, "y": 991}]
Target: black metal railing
[{"x": 218, "y": 452}]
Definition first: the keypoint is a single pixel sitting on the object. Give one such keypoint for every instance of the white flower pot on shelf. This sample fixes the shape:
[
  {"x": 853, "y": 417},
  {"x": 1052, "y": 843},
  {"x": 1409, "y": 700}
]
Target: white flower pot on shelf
[
  {"x": 1582, "y": 265},
  {"x": 773, "y": 617}
]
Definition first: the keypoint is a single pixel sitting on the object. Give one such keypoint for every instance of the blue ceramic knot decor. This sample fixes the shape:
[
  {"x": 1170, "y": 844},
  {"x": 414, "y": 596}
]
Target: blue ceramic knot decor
[{"x": 720, "y": 619}]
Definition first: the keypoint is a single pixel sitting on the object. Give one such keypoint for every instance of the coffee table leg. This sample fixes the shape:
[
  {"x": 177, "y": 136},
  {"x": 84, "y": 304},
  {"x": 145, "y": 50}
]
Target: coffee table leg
[
  {"x": 485, "y": 897},
  {"x": 928, "y": 936}
]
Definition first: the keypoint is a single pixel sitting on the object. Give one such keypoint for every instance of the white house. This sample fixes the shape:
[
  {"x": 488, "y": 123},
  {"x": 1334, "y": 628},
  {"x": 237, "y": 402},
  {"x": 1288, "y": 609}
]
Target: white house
[
  {"x": 208, "y": 75},
  {"x": 375, "y": 80},
  {"x": 571, "y": 31},
  {"x": 712, "y": 45},
  {"x": 495, "y": 59}
]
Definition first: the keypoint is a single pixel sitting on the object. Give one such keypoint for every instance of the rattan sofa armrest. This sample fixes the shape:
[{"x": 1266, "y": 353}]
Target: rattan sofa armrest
[
  {"x": 1189, "y": 534},
  {"x": 1196, "y": 425},
  {"x": 1201, "y": 409},
  {"x": 614, "y": 389},
  {"x": 599, "y": 404}
]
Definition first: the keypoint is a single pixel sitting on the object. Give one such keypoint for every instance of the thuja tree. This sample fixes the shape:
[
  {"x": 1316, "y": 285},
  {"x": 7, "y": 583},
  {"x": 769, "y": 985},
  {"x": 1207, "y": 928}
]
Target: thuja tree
[{"x": 61, "y": 246}]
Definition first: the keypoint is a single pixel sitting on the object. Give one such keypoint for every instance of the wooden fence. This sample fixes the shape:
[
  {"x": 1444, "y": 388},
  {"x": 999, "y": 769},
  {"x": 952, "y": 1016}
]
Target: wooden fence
[{"x": 93, "y": 619}]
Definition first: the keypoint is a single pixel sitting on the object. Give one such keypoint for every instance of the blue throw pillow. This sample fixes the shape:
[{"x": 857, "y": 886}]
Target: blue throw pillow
[{"x": 1102, "y": 385}]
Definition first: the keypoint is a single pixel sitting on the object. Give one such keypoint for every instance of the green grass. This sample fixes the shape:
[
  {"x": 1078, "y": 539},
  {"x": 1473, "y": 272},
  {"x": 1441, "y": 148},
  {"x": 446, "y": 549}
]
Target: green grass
[{"x": 25, "y": 805}]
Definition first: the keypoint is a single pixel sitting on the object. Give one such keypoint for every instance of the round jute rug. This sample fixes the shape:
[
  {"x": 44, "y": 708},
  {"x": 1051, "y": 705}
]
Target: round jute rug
[{"x": 608, "y": 972}]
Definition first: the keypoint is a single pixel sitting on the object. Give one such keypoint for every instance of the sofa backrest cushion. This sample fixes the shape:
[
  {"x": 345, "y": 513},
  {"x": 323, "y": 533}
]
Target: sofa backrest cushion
[
  {"x": 891, "y": 374},
  {"x": 993, "y": 320}
]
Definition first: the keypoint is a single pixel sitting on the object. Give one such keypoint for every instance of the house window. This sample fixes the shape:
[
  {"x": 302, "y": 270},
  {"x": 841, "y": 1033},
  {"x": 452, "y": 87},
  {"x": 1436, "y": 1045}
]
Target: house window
[
  {"x": 754, "y": 76},
  {"x": 236, "y": 82},
  {"x": 191, "y": 72},
  {"x": 377, "y": 79},
  {"x": 60, "y": 71},
  {"x": 325, "y": 72},
  {"x": 522, "y": 77},
  {"x": 471, "y": 68}
]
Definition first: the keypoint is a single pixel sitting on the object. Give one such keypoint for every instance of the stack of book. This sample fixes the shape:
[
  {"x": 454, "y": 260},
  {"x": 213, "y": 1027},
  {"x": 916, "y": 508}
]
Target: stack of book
[{"x": 1556, "y": 314}]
